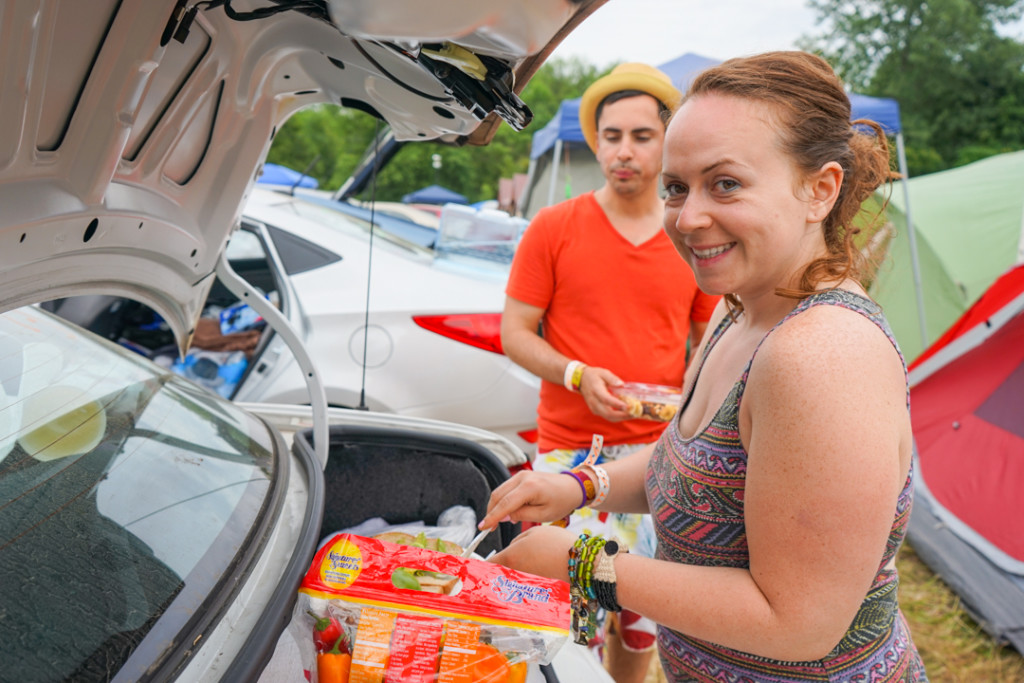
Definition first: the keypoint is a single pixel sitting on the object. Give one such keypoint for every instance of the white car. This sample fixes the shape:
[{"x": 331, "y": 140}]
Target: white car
[
  {"x": 397, "y": 329},
  {"x": 392, "y": 326},
  {"x": 151, "y": 530}
]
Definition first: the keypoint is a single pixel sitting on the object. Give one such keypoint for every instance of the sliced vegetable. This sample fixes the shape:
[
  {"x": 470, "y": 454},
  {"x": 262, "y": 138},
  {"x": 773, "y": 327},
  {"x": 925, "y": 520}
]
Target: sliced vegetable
[{"x": 420, "y": 541}]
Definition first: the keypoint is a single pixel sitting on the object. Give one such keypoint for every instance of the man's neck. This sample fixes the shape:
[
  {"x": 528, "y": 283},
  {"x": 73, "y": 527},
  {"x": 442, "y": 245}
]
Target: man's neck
[
  {"x": 636, "y": 217},
  {"x": 636, "y": 205}
]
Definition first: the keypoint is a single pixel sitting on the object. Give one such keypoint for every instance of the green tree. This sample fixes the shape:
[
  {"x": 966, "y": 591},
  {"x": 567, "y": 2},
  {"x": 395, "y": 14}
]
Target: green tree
[
  {"x": 341, "y": 136},
  {"x": 333, "y": 139},
  {"x": 959, "y": 82}
]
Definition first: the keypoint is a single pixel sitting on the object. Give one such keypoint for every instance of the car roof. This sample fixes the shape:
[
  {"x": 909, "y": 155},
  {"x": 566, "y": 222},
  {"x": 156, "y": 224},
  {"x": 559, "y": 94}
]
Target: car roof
[
  {"x": 405, "y": 276},
  {"x": 132, "y": 131}
]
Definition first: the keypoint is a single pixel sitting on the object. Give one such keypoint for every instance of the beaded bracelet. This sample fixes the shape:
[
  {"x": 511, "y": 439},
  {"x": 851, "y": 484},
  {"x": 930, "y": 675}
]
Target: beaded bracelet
[
  {"x": 583, "y": 487},
  {"x": 583, "y": 598}
]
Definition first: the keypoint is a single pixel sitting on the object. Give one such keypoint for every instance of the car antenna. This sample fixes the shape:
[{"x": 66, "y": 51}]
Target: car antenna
[
  {"x": 369, "y": 266},
  {"x": 305, "y": 174}
]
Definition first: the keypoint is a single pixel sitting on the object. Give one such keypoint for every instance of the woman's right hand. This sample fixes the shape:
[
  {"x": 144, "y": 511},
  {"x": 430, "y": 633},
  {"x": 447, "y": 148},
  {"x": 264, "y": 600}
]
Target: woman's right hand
[{"x": 532, "y": 497}]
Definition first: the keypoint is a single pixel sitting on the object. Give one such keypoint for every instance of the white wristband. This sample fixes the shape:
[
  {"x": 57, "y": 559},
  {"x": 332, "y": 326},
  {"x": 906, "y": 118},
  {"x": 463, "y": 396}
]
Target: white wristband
[
  {"x": 603, "y": 484},
  {"x": 569, "y": 369}
]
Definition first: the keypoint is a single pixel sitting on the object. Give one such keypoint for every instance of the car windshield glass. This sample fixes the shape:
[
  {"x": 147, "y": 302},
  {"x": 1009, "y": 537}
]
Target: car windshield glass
[{"x": 127, "y": 496}]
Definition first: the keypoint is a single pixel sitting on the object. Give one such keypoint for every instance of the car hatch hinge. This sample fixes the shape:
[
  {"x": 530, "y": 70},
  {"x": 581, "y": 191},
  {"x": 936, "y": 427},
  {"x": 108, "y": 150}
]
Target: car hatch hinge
[{"x": 482, "y": 85}]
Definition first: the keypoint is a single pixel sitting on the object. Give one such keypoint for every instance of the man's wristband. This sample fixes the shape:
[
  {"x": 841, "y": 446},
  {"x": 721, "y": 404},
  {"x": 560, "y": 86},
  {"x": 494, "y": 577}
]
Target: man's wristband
[{"x": 573, "y": 375}]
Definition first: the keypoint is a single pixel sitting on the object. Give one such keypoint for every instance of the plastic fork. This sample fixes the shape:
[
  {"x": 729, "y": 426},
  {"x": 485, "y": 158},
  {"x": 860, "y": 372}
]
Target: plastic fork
[{"x": 477, "y": 540}]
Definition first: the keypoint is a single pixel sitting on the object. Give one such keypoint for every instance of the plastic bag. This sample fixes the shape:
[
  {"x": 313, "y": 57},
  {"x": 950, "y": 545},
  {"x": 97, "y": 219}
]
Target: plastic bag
[{"x": 487, "y": 624}]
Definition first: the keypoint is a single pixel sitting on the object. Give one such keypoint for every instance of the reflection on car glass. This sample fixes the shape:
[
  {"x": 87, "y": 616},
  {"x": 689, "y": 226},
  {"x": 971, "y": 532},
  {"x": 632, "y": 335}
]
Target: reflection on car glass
[{"x": 122, "y": 490}]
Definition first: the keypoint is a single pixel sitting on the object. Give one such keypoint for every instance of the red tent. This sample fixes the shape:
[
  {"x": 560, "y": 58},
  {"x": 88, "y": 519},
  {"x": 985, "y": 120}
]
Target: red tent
[{"x": 967, "y": 409}]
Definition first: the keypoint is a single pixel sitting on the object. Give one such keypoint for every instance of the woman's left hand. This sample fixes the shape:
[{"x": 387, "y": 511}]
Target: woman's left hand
[{"x": 540, "y": 550}]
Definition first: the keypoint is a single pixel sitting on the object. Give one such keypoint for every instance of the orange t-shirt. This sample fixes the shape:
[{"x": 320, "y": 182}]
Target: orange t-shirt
[{"x": 607, "y": 303}]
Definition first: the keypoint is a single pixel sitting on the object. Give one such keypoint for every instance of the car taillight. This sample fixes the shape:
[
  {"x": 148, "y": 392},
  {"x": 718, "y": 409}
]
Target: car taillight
[
  {"x": 482, "y": 330},
  {"x": 529, "y": 435},
  {"x": 525, "y": 467}
]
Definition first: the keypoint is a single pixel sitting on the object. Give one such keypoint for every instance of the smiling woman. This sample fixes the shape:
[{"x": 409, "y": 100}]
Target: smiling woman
[{"x": 781, "y": 492}]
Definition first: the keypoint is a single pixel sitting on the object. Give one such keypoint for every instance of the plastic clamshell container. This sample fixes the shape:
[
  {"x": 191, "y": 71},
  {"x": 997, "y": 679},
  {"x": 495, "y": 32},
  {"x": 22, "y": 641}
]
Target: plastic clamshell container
[{"x": 656, "y": 402}]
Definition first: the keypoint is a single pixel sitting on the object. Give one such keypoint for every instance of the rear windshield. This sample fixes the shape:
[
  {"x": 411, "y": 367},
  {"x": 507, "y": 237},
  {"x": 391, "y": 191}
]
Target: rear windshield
[{"x": 126, "y": 498}]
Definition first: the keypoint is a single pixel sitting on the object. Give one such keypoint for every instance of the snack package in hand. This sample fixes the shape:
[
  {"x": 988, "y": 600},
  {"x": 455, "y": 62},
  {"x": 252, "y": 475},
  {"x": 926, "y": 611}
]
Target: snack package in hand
[{"x": 656, "y": 402}]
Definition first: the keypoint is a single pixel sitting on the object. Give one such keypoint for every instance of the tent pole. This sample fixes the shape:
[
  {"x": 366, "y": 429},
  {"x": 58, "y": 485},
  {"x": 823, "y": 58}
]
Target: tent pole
[
  {"x": 911, "y": 230},
  {"x": 524, "y": 201},
  {"x": 556, "y": 158}
]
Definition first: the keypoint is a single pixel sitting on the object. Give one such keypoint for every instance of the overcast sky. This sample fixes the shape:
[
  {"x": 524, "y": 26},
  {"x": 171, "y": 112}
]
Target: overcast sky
[{"x": 657, "y": 31}]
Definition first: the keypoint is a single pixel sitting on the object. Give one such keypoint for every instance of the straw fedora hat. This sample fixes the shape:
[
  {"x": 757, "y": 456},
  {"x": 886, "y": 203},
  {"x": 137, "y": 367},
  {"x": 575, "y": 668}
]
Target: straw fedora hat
[{"x": 628, "y": 76}]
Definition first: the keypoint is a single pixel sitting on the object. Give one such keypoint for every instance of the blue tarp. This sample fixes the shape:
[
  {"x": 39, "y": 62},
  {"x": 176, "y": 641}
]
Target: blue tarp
[
  {"x": 276, "y": 174},
  {"x": 565, "y": 125},
  {"x": 883, "y": 111},
  {"x": 434, "y": 194}
]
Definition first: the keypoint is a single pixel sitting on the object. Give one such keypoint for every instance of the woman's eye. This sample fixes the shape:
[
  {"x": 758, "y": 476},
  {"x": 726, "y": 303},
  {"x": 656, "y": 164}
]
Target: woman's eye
[
  {"x": 675, "y": 189},
  {"x": 727, "y": 184}
]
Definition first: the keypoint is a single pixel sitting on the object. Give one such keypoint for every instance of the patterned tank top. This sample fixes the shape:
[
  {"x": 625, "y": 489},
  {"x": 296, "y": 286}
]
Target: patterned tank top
[{"x": 695, "y": 490}]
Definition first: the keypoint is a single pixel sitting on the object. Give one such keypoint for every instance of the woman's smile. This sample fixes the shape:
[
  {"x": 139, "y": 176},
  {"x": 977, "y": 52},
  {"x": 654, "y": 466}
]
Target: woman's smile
[{"x": 707, "y": 255}]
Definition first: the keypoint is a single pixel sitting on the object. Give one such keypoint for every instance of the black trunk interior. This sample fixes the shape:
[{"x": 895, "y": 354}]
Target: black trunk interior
[{"x": 404, "y": 476}]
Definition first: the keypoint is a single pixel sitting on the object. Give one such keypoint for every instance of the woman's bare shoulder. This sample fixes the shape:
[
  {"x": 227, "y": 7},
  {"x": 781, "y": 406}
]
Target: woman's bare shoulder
[{"x": 828, "y": 349}]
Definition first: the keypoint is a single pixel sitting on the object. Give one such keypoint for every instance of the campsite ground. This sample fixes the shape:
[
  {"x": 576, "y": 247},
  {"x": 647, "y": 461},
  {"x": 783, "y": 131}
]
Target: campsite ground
[{"x": 954, "y": 648}]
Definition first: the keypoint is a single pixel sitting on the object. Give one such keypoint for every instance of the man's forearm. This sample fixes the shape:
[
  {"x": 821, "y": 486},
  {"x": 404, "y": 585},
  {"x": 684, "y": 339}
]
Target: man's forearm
[{"x": 532, "y": 352}]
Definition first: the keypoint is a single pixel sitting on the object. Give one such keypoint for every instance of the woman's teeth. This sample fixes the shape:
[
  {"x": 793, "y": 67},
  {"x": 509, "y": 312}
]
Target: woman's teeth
[{"x": 712, "y": 252}]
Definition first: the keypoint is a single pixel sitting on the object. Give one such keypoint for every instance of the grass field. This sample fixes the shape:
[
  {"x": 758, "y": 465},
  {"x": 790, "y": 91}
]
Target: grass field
[{"x": 953, "y": 647}]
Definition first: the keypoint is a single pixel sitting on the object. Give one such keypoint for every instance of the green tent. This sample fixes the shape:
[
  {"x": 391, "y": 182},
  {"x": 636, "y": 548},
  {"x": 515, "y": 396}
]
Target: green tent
[{"x": 969, "y": 222}]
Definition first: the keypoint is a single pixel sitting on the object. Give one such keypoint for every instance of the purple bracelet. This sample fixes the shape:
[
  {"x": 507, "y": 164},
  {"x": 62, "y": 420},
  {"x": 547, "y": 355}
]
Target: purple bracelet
[{"x": 583, "y": 488}]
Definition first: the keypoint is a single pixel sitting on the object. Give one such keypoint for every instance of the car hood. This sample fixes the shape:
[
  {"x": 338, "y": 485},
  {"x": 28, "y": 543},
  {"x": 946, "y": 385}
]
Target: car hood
[{"x": 132, "y": 131}]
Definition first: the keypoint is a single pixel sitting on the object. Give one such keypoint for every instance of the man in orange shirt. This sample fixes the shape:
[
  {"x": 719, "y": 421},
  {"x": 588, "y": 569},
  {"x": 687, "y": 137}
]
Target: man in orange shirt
[{"x": 614, "y": 303}]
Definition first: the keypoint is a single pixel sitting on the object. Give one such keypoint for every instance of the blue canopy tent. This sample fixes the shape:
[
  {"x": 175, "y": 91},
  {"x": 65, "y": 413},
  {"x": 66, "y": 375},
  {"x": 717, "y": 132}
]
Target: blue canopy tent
[
  {"x": 276, "y": 174},
  {"x": 564, "y": 127},
  {"x": 554, "y": 145},
  {"x": 434, "y": 194},
  {"x": 684, "y": 68}
]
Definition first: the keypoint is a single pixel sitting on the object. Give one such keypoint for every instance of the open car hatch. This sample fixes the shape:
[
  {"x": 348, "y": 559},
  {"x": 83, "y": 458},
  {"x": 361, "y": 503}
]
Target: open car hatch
[{"x": 131, "y": 131}]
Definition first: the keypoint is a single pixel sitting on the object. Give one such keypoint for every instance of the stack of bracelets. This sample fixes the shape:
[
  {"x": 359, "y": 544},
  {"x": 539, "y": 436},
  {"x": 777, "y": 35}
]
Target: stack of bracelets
[{"x": 591, "y": 583}]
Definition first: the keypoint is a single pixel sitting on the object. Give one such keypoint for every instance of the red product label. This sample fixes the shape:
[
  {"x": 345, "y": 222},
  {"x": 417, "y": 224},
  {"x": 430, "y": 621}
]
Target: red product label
[
  {"x": 360, "y": 569},
  {"x": 415, "y": 644}
]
